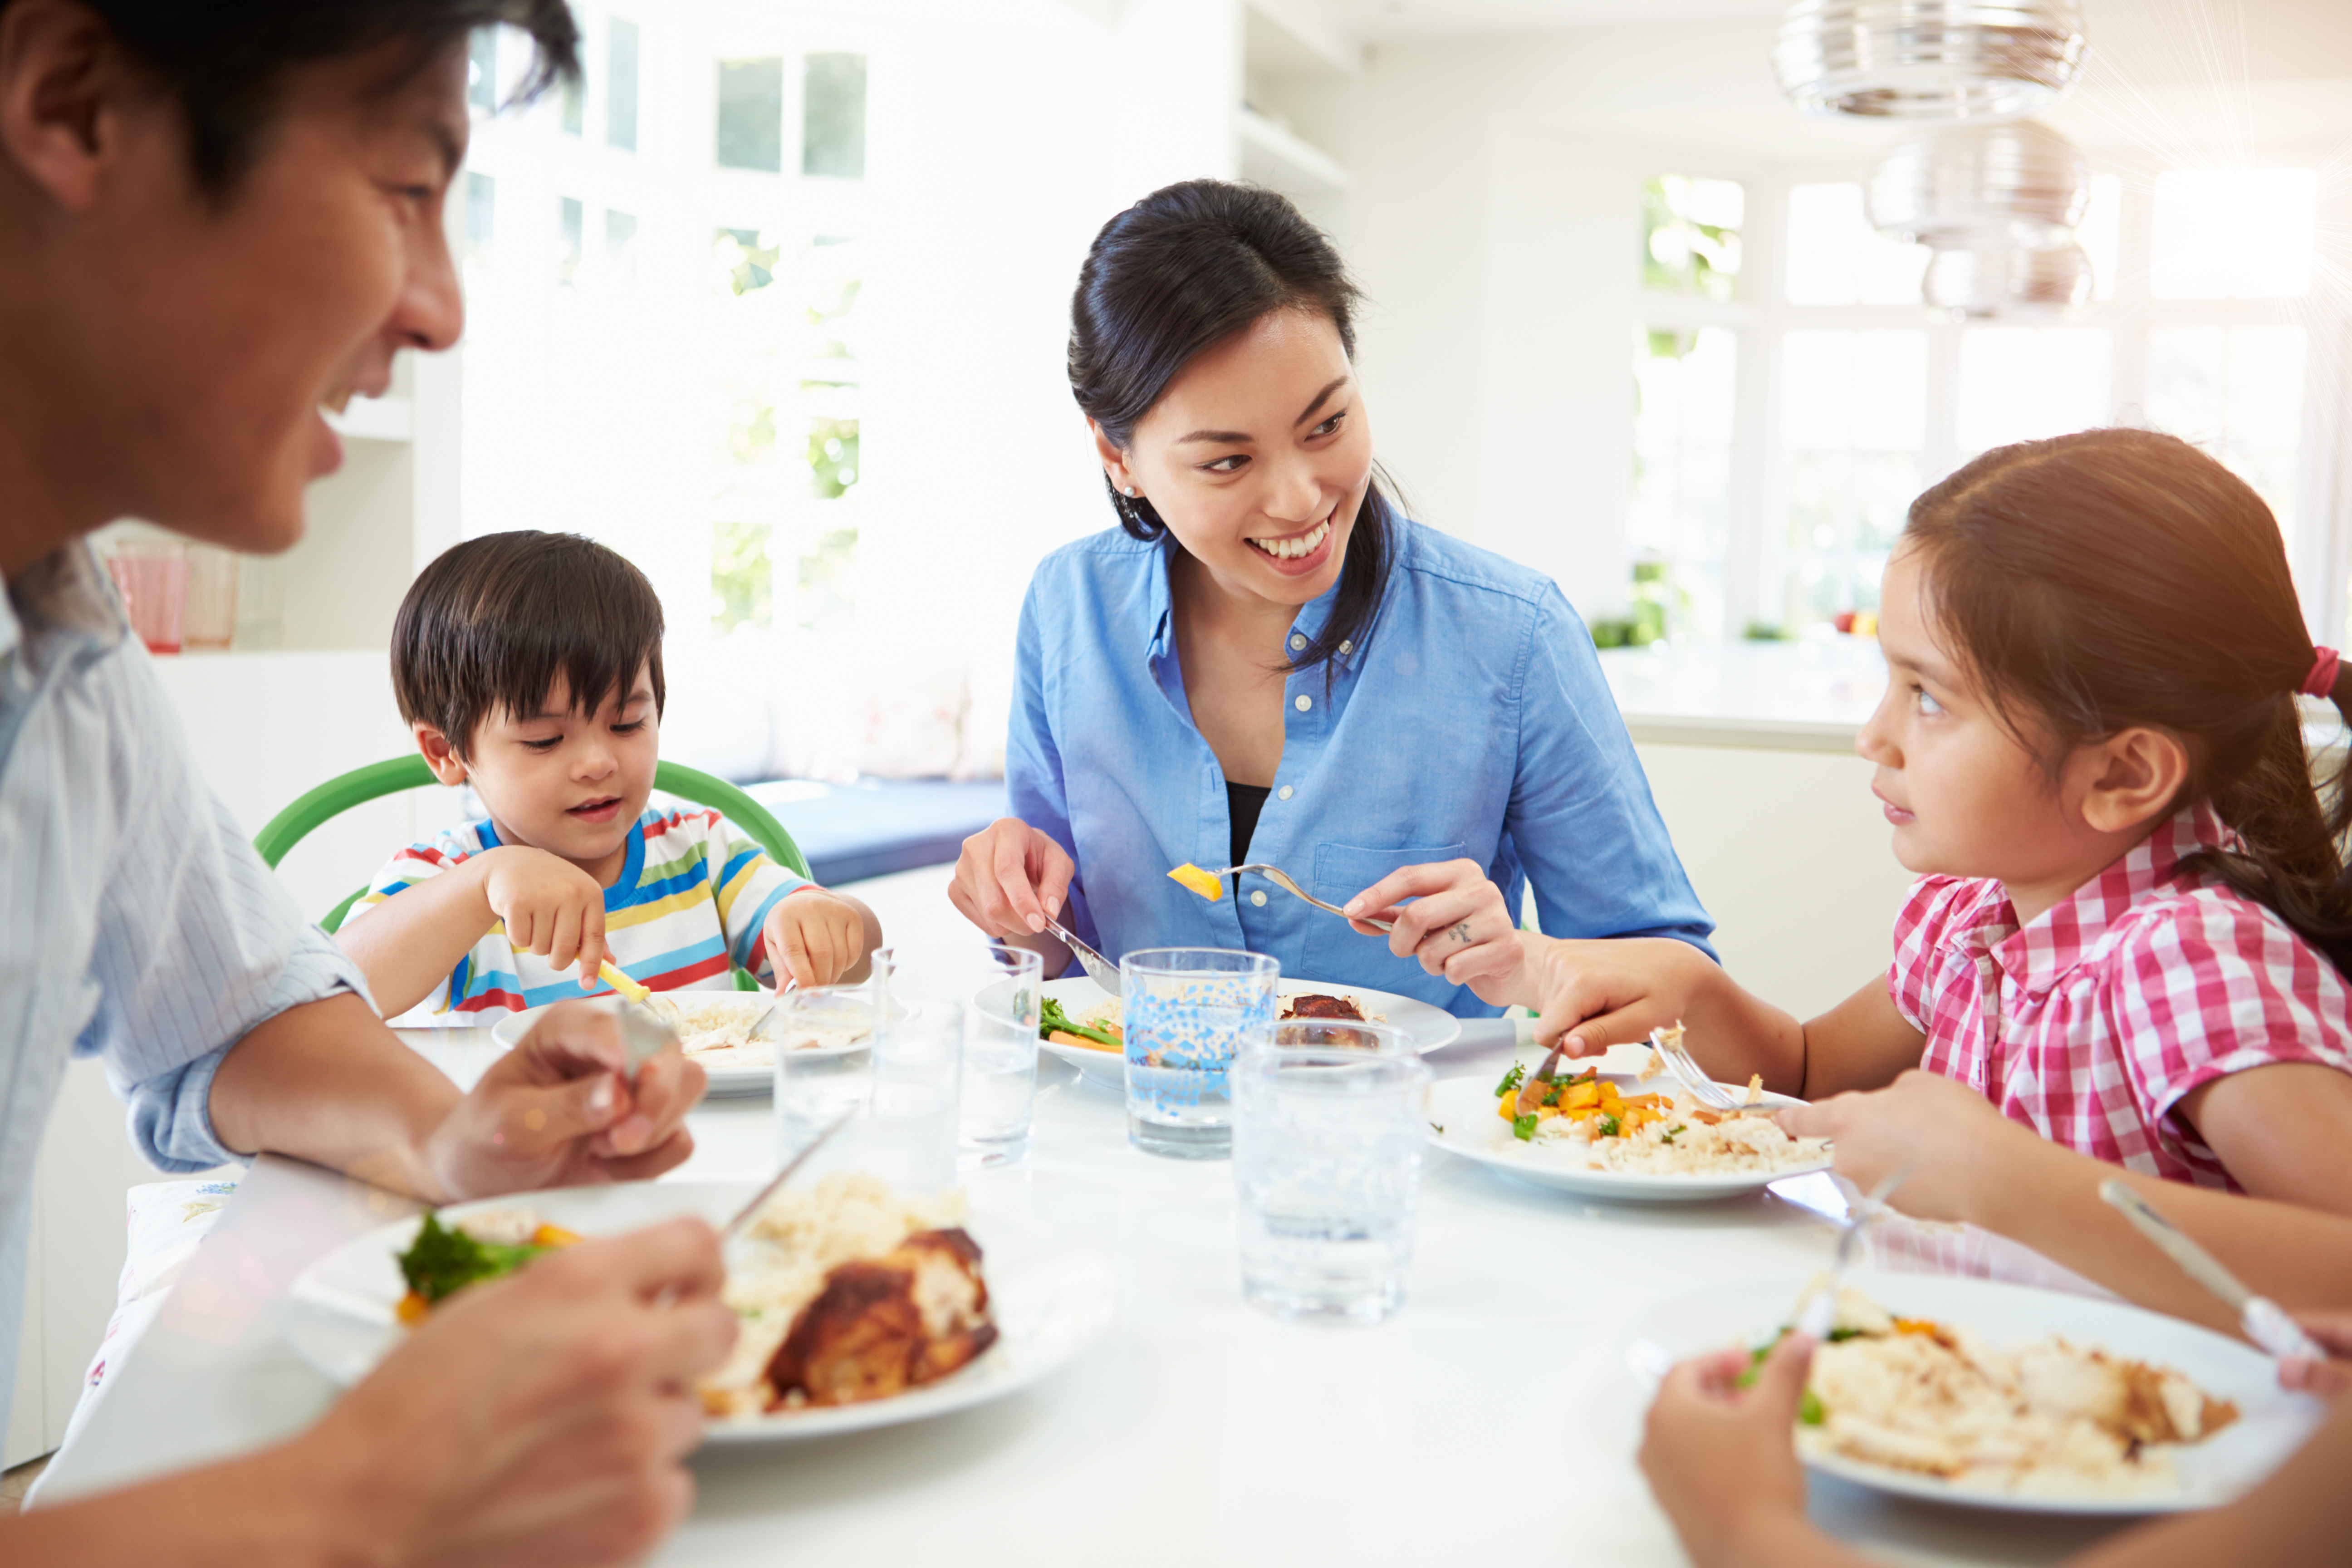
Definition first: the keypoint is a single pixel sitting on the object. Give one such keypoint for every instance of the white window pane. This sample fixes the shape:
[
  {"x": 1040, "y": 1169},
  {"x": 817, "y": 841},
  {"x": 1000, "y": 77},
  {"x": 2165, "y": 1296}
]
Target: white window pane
[
  {"x": 2243, "y": 234},
  {"x": 2238, "y": 392},
  {"x": 1845, "y": 390},
  {"x": 1852, "y": 424},
  {"x": 1678, "y": 518},
  {"x": 2023, "y": 383},
  {"x": 2100, "y": 234},
  {"x": 1835, "y": 258}
]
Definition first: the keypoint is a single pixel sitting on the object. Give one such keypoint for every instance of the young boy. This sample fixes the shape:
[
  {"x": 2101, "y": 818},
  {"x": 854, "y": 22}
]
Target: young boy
[{"x": 529, "y": 665}]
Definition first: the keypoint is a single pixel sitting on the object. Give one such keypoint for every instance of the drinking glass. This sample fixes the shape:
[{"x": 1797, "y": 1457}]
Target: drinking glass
[
  {"x": 209, "y": 619},
  {"x": 908, "y": 1135},
  {"x": 821, "y": 1072},
  {"x": 1183, "y": 1012},
  {"x": 1326, "y": 1167},
  {"x": 1330, "y": 1035},
  {"x": 1000, "y": 1058},
  {"x": 153, "y": 575}
]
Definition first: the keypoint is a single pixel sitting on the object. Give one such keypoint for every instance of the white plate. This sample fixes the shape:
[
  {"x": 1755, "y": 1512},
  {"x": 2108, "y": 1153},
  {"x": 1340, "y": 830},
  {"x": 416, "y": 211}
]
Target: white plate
[
  {"x": 744, "y": 1071},
  {"x": 1048, "y": 1303},
  {"x": 1465, "y": 1108},
  {"x": 2272, "y": 1423},
  {"x": 1430, "y": 1028}
]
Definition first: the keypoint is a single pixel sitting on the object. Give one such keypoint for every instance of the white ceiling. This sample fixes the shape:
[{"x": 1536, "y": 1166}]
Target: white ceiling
[{"x": 1372, "y": 21}]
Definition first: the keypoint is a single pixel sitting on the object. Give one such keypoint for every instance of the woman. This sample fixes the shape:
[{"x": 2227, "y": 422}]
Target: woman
[{"x": 1266, "y": 662}]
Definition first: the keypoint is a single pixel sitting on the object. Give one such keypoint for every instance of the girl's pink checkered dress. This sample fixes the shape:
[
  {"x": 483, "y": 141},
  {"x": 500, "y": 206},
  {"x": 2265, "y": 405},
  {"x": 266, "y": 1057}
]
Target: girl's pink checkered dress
[{"x": 2090, "y": 1024}]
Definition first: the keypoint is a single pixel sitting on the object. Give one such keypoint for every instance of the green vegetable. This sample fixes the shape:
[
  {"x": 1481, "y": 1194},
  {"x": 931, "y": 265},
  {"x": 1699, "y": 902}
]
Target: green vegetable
[
  {"x": 1809, "y": 1409},
  {"x": 1051, "y": 1019},
  {"x": 1551, "y": 1096},
  {"x": 1511, "y": 1079},
  {"x": 1840, "y": 1335},
  {"x": 1756, "y": 1364},
  {"x": 1610, "y": 1126},
  {"x": 1438, "y": 1128},
  {"x": 1523, "y": 1128},
  {"x": 443, "y": 1260},
  {"x": 1668, "y": 1135}
]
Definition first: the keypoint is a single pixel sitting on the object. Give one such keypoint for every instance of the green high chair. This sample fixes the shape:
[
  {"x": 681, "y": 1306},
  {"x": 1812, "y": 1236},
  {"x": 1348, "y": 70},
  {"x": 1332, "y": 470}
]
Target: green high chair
[{"x": 359, "y": 786}]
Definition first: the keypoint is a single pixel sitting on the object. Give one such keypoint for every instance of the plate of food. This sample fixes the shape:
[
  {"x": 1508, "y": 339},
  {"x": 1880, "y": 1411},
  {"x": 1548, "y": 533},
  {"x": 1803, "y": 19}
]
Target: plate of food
[
  {"x": 716, "y": 1029},
  {"x": 2003, "y": 1397},
  {"x": 1636, "y": 1137},
  {"x": 858, "y": 1306},
  {"x": 1082, "y": 1021}
]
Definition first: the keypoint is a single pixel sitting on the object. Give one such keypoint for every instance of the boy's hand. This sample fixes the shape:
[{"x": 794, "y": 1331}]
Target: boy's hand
[
  {"x": 1718, "y": 1455},
  {"x": 551, "y": 906},
  {"x": 812, "y": 937}
]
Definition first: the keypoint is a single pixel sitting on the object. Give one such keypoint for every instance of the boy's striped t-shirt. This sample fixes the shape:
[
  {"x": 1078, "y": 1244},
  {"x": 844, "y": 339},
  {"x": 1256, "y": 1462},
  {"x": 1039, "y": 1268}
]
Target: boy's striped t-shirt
[{"x": 686, "y": 909}]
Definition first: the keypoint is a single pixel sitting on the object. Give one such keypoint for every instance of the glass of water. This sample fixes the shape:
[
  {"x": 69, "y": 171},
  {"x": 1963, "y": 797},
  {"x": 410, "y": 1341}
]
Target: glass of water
[
  {"x": 1330, "y": 1035},
  {"x": 1326, "y": 1166},
  {"x": 1183, "y": 1012},
  {"x": 908, "y": 1135},
  {"x": 825, "y": 1061},
  {"x": 1000, "y": 1056}
]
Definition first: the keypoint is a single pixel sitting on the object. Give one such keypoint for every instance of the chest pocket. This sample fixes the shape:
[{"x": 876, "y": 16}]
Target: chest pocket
[{"x": 1335, "y": 951}]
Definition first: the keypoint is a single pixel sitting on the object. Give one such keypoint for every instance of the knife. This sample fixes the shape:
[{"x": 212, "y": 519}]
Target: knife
[
  {"x": 1099, "y": 970},
  {"x": 2264, "y": 1321},
  {"x": 745, "y": 1214}
]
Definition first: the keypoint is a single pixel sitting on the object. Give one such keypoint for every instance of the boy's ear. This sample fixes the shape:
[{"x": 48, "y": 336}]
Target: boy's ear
[
  {"x": 2137, "y": 774},
  {"x": 438, "y": 754},
  {"x": 63, "y": 86}
]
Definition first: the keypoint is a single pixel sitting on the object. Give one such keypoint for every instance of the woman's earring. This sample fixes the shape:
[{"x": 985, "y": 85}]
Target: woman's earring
[{"x": 1129, "y": 492}]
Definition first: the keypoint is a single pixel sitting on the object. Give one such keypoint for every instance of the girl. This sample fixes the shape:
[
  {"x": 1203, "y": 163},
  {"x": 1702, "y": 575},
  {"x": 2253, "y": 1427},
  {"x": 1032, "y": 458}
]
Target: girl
[{"x": 2128, "y": 926}]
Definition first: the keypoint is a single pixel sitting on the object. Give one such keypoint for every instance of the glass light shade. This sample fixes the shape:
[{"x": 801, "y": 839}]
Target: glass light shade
[
  {"x": 1986, "y": 283},
  {"x": 2017, "y": 184},
  {"x": 1929, "y": 59}
]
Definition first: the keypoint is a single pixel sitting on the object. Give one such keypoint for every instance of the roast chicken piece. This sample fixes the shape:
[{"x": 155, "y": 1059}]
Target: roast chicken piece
[
  {"x": 884, "y": 1325},
  {"x": 1314, "y": 1004}
]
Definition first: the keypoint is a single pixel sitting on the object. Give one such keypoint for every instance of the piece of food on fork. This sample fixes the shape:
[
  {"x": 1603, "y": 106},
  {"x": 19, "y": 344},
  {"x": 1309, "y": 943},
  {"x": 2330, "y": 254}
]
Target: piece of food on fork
[{"x": 1201, "y": 882}]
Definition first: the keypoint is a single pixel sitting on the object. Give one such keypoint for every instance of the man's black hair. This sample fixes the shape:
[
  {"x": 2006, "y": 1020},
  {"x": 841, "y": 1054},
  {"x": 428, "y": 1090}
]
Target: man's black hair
[
  {"x": 491, "y": 624},
  {"x": 226, "y": 61}
]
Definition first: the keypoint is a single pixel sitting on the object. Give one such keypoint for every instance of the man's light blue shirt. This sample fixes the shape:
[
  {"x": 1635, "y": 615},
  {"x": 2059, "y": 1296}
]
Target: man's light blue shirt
[
  {"x": 1473, "y": 722},
  {"x": 136, "y": 923}
]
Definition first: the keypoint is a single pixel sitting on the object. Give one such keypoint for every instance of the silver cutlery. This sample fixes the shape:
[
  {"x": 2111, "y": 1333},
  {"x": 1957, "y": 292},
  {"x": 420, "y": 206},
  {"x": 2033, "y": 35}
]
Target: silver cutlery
[
  {"x": 1668, "y": 1044},
  {"x": 1819, "y": 1315},
  {"x": 2264, "y": 1321},
  {"x": 1281, "y": 878},
  {"x": 1099, "y": 970},
  {"x": 744, "y": 1215}
]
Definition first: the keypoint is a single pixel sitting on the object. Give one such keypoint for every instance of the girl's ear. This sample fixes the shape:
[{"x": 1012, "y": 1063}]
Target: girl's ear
[
  {"x": 2137, "y": 774},
  {"x": 438, "y": 754}
]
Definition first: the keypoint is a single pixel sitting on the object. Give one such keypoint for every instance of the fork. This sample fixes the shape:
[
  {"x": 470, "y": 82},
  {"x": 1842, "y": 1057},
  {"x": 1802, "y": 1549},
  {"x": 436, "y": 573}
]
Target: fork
[
  {"x": 1668, "y": 1044},
  {"x": 1819, "y": 1315},
  {"x": 1281, "y": 878}
]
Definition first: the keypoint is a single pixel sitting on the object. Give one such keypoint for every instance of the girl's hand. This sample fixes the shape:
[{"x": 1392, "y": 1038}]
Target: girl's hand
[
  {"x": 551, "y": 906},
  {"x": 2328, "y": 1378},
  {"x": 1719, "y": 1457},
  {"x": 813, "y": 938},
  {"x": 1456, "y": 925},
  {"x": 1611, "y": 991},
  {"x": 1011, "y": 877},
  {"x": 1953, "y": 1133}
]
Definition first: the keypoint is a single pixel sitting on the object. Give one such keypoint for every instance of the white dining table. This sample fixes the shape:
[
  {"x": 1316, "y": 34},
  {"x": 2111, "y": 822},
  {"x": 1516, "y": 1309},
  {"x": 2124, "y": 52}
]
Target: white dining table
[{"x": 1493, "y": 1417}]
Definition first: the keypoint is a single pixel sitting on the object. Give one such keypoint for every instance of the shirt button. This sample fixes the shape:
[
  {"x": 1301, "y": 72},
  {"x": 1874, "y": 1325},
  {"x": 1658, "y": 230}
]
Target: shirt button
[
  {"x": 1345, "y": 646},
  {"x": 1282, "y": 794},
  {"x": 1297, "y": 642},
  {"x": 1303, "y": 702},
  {"x": 1258, "y": 899}
]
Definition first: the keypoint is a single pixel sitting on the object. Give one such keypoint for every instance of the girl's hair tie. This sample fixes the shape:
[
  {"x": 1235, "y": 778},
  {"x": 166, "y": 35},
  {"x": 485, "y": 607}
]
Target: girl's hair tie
[{"x": 2321, "y": 681}]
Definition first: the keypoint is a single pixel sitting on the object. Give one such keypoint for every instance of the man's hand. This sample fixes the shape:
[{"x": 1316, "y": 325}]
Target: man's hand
[
  {"x": 1719, "y": 1457},
  {"x": 541, "y": 1419},
  {"x": 812, "y": 937},
  {"x": 559, "y": 1111},
  {"x": 551, "y": 906}
]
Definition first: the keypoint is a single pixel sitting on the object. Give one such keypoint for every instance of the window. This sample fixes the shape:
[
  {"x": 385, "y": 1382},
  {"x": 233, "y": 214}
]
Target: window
[
  {"x": 1691, "y": 242},
  {"x": 620, "y": 244},
  {"x": 2238, "y": 392},
  {"x": 1835, "y": 258},
  {"x": 833, "y": 117},
  {"x": 2234, "y": 234},
  {"x": 621, "y": 85},
  {"x": 481, "y": 216},
  {"x": 1685, "y": 385},
  {"x": 571, "y": 222},
  {"x": 2026, "y": 383},
  {"x": 752, "y": 114},
  {"x": 572, "y": 107},
  {"x": 1855, "y": 427},
  {"x": 482, "y": 68}
]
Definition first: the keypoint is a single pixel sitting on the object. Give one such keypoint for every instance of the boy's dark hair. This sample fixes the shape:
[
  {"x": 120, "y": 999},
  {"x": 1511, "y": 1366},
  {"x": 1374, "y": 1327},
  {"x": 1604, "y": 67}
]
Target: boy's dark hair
[
  {"x": 489, "y": 625},
  {"x": 227, "y": 63},
  {"x": 2116, "y": 578}
]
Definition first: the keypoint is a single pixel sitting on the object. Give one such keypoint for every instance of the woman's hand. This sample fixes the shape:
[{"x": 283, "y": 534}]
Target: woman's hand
[
  {"x": 1456, "y": 925},
  {"x": 1953, "y": 1134},
  {"x": 1011, "y": 879},
  {"x": 1721, "y": 1460},
  {"x": 551, "y": 906}
]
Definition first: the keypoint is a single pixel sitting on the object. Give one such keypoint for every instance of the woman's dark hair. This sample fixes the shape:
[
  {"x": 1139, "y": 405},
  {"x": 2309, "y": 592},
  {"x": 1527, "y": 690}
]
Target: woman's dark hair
[
  {"x": 2116, "y": 578},
  {"x": 1180, "y": 272},
  {"x": 226, "y": 61},
  {"x": 489, "y": 625}
]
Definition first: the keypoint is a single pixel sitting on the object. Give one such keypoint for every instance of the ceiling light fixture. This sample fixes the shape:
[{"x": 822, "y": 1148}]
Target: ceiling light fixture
[
  {"x": 1929, "y": 59},
  {"x": 2017, "y": 184}
]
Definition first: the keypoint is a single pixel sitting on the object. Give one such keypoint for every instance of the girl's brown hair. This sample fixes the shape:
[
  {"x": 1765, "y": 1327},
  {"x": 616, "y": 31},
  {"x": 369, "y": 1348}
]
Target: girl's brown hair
[{"x": 2117, "y": 578}]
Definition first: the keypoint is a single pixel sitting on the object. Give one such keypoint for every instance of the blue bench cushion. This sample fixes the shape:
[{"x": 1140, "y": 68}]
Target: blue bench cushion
[{"x": 876, "y": 827}]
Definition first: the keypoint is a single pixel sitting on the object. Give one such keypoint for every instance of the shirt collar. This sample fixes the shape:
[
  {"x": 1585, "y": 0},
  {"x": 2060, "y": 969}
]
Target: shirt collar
[
  {"x": 65, "y": 589},
  {"x": 2039, "y": 955}
]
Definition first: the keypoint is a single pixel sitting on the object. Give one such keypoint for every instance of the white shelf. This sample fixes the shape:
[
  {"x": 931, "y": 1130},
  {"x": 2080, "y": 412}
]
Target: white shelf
[
  {"x": 1281, "y": 159},
  {"x": 388, "y": 418}
]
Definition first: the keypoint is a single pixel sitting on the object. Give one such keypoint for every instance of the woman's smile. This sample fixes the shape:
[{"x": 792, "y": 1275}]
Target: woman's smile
[{"x": 1297, "y": 555}]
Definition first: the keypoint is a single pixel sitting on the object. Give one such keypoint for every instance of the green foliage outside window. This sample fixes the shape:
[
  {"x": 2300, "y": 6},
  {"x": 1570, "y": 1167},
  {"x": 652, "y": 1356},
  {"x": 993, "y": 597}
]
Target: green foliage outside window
[
  {"x": 832, "y": 458},
  {"x": 1690, "y": 235},
  {"x": 742, "y": 575}
]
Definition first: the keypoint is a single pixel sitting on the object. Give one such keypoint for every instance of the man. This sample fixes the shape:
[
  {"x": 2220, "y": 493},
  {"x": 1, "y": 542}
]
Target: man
[{"x": 214, "y": 220}]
